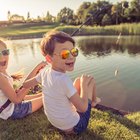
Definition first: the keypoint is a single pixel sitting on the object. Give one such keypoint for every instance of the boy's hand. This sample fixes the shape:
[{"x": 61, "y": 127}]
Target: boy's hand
[{"x": 86, "y": 83}]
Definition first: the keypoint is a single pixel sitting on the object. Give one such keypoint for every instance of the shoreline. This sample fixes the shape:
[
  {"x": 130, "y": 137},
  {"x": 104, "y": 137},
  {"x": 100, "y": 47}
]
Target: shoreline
[
  {"x": 28, "y": 36},
  {"x": 18, "y": 37}
]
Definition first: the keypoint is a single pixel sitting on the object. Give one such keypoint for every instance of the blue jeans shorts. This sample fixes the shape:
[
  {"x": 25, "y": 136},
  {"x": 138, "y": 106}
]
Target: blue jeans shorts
[
  {"x": 84, "y": 119},
  {"x": 21, "y": 110}
]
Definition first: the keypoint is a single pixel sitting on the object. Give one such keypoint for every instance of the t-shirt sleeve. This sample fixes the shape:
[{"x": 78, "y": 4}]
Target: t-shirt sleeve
[{"x": 69, "y": 89}]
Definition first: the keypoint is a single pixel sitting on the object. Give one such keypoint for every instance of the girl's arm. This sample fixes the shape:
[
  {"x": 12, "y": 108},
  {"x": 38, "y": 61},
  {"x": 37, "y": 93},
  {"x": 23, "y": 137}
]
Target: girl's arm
[
  {"x": 9, "y": 91},
  {"x": 30, "y": 81},
  {"x": 36, "y": 70}
]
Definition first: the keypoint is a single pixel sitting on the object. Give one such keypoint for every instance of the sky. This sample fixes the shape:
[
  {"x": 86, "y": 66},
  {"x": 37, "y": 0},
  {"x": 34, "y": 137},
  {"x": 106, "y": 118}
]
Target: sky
[{"x": 38, "y": 7}]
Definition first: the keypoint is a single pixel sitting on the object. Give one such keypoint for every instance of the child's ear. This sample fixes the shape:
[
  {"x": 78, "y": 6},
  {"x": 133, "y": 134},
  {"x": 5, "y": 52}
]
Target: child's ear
[{"x": 48, "y": 58}]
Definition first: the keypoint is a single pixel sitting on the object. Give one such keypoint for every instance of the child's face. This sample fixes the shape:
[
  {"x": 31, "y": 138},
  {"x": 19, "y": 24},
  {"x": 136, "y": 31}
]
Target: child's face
[
  {"x": 59, "y": 63},
  {"x": 3, "y": 58}
]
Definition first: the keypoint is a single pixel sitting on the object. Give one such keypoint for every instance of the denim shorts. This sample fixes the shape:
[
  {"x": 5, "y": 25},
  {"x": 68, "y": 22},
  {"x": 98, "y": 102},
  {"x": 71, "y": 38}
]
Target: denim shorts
[
  {"x": 84, "y": 119},
  {"x": 21, "y": 110}
]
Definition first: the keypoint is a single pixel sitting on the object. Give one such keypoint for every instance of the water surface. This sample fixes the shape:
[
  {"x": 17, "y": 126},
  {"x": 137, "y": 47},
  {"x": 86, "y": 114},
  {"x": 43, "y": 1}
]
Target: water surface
[{"x": 99, "y": 56}]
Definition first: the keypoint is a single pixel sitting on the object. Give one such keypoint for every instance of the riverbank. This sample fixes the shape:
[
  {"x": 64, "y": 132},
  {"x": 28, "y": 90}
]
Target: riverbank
[
  {"x": 102, "y": 126},
  {"x": 25, "y": 31}
]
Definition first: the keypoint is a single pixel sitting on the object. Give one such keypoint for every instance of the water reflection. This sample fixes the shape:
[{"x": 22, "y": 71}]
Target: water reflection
[
  {"x": 99, "y": 56},
  {"x": 32, "y": 45},
  {"x": 101, "y": 46}
]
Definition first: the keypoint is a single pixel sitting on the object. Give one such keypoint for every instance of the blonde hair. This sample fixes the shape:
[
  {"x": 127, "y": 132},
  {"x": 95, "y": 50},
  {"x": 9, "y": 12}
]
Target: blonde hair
[
  {"x": 18, "y": 75},
  {"x": 2, "y": 42}
]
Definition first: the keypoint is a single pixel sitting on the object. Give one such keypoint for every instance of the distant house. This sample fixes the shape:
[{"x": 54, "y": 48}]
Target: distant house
[{"x": 17, "y": 19}]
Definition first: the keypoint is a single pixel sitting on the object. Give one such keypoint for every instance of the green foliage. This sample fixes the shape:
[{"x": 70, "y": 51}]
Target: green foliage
[
  {"x": 121, "y": 12},
  {"x": 65, "y": 16},
  {"x": 106, "y": 20},
  {"x": 102, "y": 126}
]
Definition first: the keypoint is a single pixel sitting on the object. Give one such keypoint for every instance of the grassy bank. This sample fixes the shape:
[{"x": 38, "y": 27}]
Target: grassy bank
[
  {"x": 125, "y": 29},
  {"x": 102, "y": 126},
  {"x": 37, "y": 31}
]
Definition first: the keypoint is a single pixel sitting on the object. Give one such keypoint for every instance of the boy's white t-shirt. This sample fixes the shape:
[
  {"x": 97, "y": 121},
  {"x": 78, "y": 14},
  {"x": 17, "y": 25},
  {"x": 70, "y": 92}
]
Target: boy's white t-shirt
[
  {"x": 8, "y": 111},
  {"x": 57, "y": 88}
]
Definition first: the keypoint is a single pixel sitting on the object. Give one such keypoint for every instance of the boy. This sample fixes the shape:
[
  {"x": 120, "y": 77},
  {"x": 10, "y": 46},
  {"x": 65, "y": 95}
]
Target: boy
[{"x": 67, "y": 105}]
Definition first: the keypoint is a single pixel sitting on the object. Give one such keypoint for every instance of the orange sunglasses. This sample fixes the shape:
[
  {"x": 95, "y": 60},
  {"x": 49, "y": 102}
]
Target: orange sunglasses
[{"x": 65, "y": 53}]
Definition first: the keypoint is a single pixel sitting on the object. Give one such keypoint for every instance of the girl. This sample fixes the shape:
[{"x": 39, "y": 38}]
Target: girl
[{"x": 11, "y": 101}]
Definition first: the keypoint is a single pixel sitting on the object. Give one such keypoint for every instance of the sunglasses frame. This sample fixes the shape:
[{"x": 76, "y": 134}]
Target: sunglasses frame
[
  {"x": 4, "y": 52},
  {"x": 70, "y": 52}
]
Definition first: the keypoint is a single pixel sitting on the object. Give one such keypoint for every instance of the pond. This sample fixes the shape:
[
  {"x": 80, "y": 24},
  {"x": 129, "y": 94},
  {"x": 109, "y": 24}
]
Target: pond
[{"x": 115, "y": 65}]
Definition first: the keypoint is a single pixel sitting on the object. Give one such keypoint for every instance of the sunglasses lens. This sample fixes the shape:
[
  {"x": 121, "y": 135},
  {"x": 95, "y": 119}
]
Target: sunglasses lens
[
  {"x": 74, "y": 52},
  {"x": 5, "y": 52},
  {"x": 65, "y": 54}
]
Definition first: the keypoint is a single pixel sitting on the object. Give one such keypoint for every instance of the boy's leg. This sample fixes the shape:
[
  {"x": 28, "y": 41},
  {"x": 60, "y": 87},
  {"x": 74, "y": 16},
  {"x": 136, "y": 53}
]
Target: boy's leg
[
  {"x": 95, "y": 99},
  {"x": 36, "y": 104},
  {"x": 91, "y": 93},
  {"x": 76, "y": 84},
  {"x": 94, "y": 94}
]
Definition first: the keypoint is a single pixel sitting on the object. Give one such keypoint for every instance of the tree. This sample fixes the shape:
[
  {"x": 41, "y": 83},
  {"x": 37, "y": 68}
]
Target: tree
[
  {"x": 82, "y": 11},
  {"x": 65, "y": 16},
  {"x": 28, "y": 16},
  {"x": 8, "y": 15},
  {"x": 134, "y": 11},
  {"x": 106, "y": 20},
  {"x": 117, "y": 13},
  {"x": 49, "y": 18}
]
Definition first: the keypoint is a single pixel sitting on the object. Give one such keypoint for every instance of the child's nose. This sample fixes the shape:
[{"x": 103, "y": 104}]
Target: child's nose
[
  {"x": 1, "y": 55},
  {"x": 71, "y": 56}
]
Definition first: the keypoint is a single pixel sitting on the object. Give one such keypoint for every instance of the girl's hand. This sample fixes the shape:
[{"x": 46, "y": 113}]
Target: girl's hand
[{"x": 40, "y": 66}]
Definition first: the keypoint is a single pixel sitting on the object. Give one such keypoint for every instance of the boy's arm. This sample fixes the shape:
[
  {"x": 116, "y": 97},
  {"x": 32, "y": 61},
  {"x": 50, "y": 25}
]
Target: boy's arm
[
  {"x": 81, "y": 104},
  {"x": 81, "y": 101}
]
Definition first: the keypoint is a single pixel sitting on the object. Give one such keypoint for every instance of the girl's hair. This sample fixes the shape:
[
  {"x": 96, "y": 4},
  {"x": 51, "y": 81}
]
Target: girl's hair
[
  {"x": 18, "y": 75},
  {"x": 2, "y": 43},
  {"x": 47, "y": 44}
]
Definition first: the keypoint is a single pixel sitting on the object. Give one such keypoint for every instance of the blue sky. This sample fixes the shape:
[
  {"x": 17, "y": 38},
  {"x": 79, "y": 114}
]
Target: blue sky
[{"x": 38, "y": 7}]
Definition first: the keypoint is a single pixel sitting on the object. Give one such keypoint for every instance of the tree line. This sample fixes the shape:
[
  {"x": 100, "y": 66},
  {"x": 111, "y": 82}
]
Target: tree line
[{"x": 121, "y": 12}]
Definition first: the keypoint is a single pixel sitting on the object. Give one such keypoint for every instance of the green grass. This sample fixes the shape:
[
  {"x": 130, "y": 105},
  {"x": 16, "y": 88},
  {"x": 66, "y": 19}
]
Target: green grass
[
  {"x": 22, "y": 30},
  {"x": 35, "y": 31},
  {"x": 125, "y": 29},
  {"x": 102, "y": 126}
]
